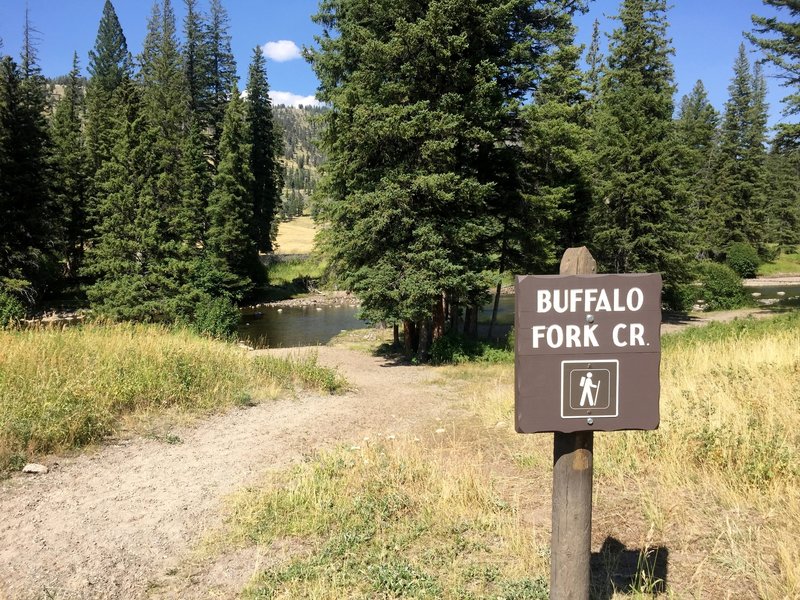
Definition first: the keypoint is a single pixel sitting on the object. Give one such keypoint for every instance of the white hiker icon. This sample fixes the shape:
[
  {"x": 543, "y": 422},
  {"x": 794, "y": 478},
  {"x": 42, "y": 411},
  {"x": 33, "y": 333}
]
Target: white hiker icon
[{"x": 588, "y": 386}]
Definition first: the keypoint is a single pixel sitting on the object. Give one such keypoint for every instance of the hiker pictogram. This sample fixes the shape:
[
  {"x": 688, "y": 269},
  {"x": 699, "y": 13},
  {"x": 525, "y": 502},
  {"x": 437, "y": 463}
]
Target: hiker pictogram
[
  {"x": 589, "y": 389},
  {"x": 588, "y": 386}
]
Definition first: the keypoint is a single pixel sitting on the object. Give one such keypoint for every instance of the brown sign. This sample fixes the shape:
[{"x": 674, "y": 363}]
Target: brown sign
[{"x": 588, "y": 349}]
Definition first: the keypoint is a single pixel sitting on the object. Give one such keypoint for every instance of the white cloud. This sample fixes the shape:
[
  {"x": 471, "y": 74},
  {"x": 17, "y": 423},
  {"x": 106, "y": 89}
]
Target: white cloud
[
  {"x": 290, "y": 99},
  {"x": 282, "y": 50}
]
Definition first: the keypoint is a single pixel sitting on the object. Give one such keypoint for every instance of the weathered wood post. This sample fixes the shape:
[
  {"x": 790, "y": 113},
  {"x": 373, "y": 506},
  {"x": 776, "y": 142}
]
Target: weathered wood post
[{"x": 573, "y": 470}]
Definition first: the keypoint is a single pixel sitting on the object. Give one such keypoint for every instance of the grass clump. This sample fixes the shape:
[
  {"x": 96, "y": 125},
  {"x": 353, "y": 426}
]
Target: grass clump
[
  {"x": 389, "y": 520},
  {"x": 65, "y": 389}
]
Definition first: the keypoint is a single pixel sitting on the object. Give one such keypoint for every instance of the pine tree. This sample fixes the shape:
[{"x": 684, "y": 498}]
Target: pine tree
[
  {"x": 230, "y": 207},
  {"x": 638, "y": 214},
  {"x": 166, "y": 104},
  {"x": 783, "y": 209},
  {"x": 266, "y": 148},
  {"x": 739, "y": 210},
  {"x": 71, "y": 183},
  {"x": 594, "y": 66},
  {"x": 28, "y": 227},
  {"x": 109, "y": 67},
  {"x": 221, "y": 72},
  {"x": 127, "y": 259},
  {"x": 146, "y": 253},
  {"x": 195, "y": 56},
  {"x": 198, "y": 169},
  {"x": 697, "y": 136},
  {"x": 423, "y": 145},
  {"x": 780, "y": 41},
  {"x": 557, "y": 148}
]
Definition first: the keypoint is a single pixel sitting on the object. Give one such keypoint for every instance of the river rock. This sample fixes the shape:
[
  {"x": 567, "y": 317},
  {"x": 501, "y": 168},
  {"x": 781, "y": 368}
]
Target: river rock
[{"x": 34, "y": 469}]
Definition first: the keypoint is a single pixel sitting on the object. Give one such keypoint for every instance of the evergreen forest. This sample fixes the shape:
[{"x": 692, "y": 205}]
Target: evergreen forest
[
  {"x": 150, "y": 187},
  {"x": 462, "y": 141}
]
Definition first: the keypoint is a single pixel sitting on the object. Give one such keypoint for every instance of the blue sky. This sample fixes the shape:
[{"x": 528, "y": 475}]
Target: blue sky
[{"x": 705, "y": 33}]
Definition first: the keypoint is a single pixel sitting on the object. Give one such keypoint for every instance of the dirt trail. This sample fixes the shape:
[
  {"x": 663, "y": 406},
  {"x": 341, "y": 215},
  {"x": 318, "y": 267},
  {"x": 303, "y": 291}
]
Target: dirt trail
[{"x": 109, "y": 523}]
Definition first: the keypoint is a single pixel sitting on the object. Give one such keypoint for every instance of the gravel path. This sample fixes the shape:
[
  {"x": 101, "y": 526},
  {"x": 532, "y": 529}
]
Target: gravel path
[{"x": 110, "y": 523}]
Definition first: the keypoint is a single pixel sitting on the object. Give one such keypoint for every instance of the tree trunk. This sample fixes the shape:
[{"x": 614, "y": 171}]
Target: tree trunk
[
  {"x": 437, "y": 330},
  {"x": 499, "y": 285},
  {"x": 471, "y": 322},
  {"x": 408, "y": 337},
  {"x": 494, "y": 308},
  {"x": 454, "y": 315},
  {"x": 424, "y": 332},
  {"x": 396, "y": 332}
]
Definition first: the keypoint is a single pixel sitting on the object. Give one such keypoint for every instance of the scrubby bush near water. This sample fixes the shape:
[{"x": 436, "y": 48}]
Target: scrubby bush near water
[
  {"x": 63, "y": 389},
  {"x": 721, "y": 287},
  {"x": 457, "y": 349},
  {"x": 743, "y": 259},
  {"x": 216, "y": 317},
  {"x": 11, "y": 310}
]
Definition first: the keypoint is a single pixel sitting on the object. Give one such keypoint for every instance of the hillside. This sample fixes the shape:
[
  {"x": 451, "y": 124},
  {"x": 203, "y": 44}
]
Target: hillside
[{"x": 302, "y": 158}]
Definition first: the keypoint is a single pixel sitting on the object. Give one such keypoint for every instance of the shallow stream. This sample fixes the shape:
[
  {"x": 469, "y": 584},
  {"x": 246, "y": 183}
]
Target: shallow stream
[{"x": 292, "y": 326}]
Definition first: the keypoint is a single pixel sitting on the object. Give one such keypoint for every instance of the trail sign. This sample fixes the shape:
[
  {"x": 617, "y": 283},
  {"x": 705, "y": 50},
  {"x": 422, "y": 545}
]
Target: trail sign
[{"x": 587, "y": 352}]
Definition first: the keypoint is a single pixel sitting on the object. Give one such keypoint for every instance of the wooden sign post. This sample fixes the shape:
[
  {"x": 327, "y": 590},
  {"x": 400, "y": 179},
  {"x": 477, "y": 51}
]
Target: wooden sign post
[
  {"x": 587, "y": 357},
  {"x": 573, "y": 473}
]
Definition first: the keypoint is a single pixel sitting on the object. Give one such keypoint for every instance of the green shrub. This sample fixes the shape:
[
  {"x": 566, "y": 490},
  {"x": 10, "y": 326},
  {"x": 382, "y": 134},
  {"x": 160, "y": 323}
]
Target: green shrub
[
  {"x": 456, "y": 349},
  {"x": 743, "y": 259},
  {"x": 681, "y": 297},
  {"x": 722, "y": 287},
  {"x": 11, "y": 310},
  {"x": 216, "y": 317}
]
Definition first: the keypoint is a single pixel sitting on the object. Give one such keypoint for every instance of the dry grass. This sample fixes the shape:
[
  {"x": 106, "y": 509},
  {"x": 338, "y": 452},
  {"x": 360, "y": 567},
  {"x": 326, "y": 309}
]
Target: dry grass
[
  {"x": 717, "y": 485},
  {"x": 390, "y": 519},
  {"x": 65, "y": 389},
  {"x": 706, "y": 507},
  {"x": 296, "y": 236}
]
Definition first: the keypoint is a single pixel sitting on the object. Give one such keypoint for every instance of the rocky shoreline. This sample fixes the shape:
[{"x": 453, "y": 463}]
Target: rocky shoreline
[
  {"x": 772, "y": 281},
  {"x": 318, "y": 299}
]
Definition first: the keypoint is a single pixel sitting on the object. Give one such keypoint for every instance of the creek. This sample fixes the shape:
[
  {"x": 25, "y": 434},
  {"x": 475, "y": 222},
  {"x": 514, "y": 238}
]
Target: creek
[{"x": 293, "y": 326}]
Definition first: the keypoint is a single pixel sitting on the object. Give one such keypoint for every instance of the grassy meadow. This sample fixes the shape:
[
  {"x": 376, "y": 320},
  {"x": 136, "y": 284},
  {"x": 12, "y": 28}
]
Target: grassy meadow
[
  {"x": 296, "y": 236},
  {"x": 708, "y": 506},
  {"x": 784, "y": 264},
  {"x": 61, "y": 389}
]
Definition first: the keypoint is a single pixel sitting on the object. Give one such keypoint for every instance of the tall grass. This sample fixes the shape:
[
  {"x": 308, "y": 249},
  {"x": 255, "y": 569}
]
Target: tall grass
[
  {"x": 298, "y": 273},
  {"x": 465, "y": 512},
  {"x": 719, "y": 482},
  {"x": 64, "y": 389}
]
